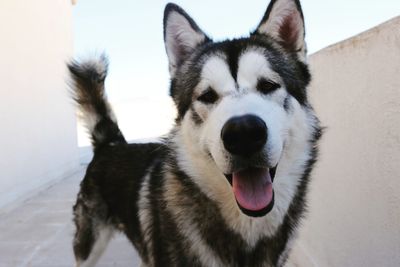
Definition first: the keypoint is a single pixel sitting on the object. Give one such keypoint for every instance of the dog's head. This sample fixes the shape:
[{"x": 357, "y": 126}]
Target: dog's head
[{"x": 242, "y": 104}]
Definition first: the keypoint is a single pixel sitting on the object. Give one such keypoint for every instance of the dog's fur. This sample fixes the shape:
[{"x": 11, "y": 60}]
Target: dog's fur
[{"x": 178, "y": 201}]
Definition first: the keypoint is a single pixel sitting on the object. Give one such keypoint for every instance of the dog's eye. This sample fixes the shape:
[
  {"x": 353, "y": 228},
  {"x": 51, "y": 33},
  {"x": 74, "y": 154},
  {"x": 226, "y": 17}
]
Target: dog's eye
[
  {"x": 265, "y": 86},
  {"x": 208, "y": 97}
]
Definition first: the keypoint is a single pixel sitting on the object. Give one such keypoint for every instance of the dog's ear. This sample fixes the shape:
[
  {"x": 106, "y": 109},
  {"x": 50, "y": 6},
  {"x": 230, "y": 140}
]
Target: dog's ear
[
  {"x": 181, "y": 36},
  {"x": 284, "y": 21}
]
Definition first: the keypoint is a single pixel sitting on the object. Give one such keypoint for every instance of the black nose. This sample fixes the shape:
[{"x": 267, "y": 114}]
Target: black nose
[{"x": 244, "y": 135}]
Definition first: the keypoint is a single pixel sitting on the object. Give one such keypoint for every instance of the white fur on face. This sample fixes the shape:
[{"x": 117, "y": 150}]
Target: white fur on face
[
  {"x": 288, "y": 139},
  {"x": 252, "y": 66},
  {"x": 215, "y": 75},
  {"x": 232, "y": 106},
  {"x": 238, "y": 99}
]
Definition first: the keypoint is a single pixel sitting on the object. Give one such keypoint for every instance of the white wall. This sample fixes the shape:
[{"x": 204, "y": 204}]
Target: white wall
[
  {"x": 38, "y": 129},
  {"x": 354, "y": 217}
]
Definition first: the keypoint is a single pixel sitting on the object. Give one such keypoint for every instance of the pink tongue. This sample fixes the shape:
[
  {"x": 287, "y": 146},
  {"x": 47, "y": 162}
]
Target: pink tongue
[{"x": 252, "y": 188}]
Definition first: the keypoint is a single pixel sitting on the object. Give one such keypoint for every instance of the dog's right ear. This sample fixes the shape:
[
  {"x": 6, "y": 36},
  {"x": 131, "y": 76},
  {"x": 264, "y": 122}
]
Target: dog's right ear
[{"x": 181, "y": 36}]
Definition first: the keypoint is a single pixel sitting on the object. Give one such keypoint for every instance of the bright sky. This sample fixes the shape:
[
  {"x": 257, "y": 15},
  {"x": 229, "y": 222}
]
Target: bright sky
[{"x": 131, "y": 33}]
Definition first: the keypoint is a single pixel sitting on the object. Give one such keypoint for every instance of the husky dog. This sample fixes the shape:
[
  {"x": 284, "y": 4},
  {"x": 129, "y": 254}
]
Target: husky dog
[{"x": 227, "y": 186}]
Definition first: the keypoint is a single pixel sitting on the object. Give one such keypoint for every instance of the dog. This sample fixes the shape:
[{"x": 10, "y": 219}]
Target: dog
[{"x": 227, "y": 186}]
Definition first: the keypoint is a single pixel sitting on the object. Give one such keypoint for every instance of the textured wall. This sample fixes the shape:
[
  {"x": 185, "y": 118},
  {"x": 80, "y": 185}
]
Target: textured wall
[
  {"x": 354, "y": 217},
  {"x": 38, "y": 130}
]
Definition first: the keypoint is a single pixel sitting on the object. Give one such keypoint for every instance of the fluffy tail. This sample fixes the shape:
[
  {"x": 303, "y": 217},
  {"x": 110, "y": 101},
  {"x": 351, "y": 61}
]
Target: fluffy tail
[{"x": 88, "y": 91}]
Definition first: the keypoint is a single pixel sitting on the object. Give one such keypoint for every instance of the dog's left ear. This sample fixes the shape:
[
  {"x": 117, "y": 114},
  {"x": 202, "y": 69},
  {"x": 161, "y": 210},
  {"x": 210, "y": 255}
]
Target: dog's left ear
[
  {"x": 181, "y": 36},
  {"x": 284, "y": 21}
]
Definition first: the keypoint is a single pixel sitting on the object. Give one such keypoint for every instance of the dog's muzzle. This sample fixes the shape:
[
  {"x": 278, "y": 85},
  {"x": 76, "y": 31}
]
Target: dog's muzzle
[{"x": 244, "y": 137}]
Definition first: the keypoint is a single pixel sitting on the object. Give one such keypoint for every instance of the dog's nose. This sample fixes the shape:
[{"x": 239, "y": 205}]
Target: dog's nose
[{"x": 244, "y": 135}]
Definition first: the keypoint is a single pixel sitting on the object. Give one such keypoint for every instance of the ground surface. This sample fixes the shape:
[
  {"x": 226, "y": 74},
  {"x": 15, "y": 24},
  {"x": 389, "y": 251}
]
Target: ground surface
[{"x": 39, "y": 232}]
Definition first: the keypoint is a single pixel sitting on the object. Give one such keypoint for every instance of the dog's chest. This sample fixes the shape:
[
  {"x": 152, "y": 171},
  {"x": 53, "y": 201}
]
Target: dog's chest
[{"x": 192, "y": 230}]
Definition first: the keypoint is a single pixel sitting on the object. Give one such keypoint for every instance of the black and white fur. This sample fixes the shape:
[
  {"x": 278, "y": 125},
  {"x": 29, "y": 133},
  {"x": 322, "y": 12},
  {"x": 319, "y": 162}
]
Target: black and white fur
[{"x": 174, "y": 199}]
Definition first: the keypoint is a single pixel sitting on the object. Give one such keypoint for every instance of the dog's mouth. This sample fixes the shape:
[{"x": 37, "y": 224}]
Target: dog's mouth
[{"x": 253, "y": 190}]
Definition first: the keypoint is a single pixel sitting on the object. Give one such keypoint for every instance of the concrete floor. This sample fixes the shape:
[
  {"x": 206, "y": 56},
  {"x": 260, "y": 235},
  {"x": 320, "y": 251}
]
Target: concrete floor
[{"x": 39, "y": 232}]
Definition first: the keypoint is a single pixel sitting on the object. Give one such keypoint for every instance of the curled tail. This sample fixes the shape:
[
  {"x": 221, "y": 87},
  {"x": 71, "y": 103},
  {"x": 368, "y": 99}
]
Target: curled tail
[{"x": 88, "y": 91}]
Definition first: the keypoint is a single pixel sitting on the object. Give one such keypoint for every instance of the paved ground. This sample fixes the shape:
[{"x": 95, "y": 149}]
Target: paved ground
[{"x": 39, "y": 232}]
